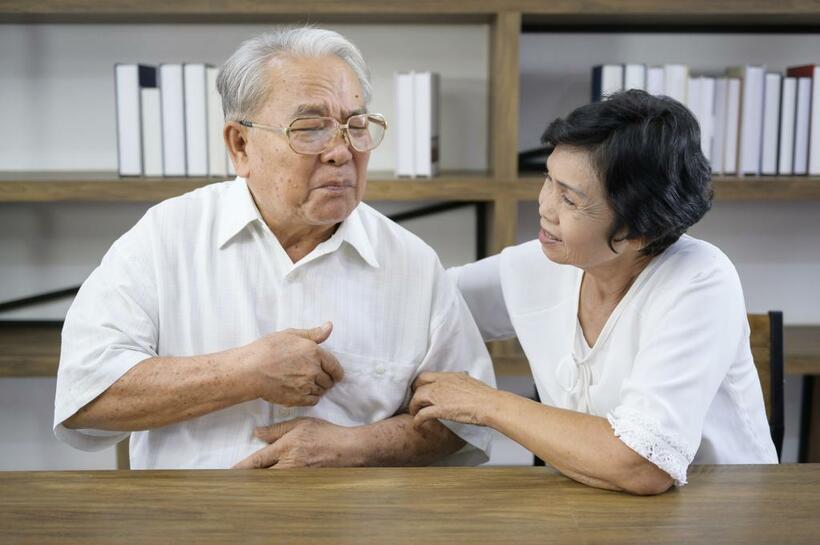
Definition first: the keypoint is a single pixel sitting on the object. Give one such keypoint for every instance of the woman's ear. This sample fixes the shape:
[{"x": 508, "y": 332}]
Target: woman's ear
[
  {"x": 236, "y": 142},
  {"x": 621, "y": 243}
]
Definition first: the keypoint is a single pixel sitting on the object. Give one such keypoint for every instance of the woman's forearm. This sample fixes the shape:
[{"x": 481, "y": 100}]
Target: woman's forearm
[{"x": 581, "y": 446}]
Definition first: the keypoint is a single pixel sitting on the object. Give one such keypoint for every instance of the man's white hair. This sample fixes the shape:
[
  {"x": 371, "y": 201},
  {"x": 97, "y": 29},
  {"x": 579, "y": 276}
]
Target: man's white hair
[{"x": 244, "y": 78}]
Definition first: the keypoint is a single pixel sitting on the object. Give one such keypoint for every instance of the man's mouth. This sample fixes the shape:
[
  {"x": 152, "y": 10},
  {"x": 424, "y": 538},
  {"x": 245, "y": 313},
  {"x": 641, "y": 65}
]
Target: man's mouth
[{"x": 336, "y": 185}]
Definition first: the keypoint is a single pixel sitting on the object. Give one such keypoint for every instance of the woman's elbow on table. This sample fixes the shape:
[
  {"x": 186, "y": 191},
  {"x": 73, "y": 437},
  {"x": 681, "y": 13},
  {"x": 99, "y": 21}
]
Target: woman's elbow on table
[{"x": 643, "y": 478}]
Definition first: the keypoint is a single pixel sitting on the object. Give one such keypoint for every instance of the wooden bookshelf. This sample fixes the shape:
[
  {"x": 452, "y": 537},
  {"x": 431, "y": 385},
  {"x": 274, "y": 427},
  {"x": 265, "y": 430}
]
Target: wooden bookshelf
[{"x": 32, "y": 349}]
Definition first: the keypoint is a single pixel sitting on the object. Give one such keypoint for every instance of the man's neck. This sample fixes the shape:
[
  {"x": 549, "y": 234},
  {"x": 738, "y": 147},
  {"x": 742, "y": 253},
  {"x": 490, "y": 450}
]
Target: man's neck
[{"x": 299, "y": 241}]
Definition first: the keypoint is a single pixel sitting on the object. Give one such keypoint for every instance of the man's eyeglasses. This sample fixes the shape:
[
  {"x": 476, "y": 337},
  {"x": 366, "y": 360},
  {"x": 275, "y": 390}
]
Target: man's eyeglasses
[{"x": 314, "y": 135}]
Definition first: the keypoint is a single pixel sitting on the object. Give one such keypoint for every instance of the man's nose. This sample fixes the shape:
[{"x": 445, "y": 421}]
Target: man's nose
[{"x": 339, "y": 151}]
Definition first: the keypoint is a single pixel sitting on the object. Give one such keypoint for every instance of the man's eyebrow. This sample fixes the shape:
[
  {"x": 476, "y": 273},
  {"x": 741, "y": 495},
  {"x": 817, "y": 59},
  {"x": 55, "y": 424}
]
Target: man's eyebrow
[
  {"x": 321, "y": 110},
  {"x": 567, "y": 186},
  {"x": 309, "y": 109}
]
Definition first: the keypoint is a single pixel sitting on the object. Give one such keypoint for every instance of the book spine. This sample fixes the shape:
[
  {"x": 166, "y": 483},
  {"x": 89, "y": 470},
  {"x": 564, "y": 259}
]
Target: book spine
[
  {"x": 751, "y": 124},
  {"x": 217, "y": 158},
  {"x": 405, "y": 134},
  {"x": 788, "y": 102},
  {"x": 801, "y": 131},
  {"x": 129, "y": 138},
  {"x": 814, "y": 136},
  {"x": 597, "y": 83},
  {"x": 173, "y": 119},
  {"x": 426, "y": 145},
  {"x": 730, "y": 153},
  {"x": 719, "y": 136},
  {"x": 635, "y": 76},
  {"x": 771, "y": 125},
  {"x": 675, "y": 78},
  {"x": 196, "y": 120},
  {"x": 654, "y": 80},
  {"x": 707, "y": 122},
  {"x": 151, "y": 132}
]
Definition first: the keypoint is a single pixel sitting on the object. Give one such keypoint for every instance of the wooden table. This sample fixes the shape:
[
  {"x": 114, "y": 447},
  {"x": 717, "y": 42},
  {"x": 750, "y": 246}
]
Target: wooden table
[{"x": 721, "y": 504}]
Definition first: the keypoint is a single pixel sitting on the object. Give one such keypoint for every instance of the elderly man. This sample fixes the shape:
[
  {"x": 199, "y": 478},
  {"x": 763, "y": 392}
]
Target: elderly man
[{"x": 271, "y": 320}]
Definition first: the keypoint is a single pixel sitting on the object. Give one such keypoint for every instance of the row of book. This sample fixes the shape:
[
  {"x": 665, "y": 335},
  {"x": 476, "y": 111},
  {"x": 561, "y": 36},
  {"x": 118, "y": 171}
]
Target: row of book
[
  {"x": 169, "y": 121},
  {"x": 417, "y": 124},
  {"x": 752, "y": 121}
]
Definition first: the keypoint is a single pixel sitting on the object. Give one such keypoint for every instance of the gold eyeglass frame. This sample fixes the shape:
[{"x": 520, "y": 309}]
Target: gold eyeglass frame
[{"x": 340, "y": 128}]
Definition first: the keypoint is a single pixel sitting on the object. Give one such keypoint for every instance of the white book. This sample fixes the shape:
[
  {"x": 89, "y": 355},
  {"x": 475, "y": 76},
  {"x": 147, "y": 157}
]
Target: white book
[
  {"x": 635, "y": 76},
  {"x": 730, "y": 149},
  {"x": 172, "y": 100},
  {"x": 751, "y": 117},
  {"x": 675, "y": 79},
  {"x": 788, "y": 109},
  {"x": 606, "y": 79},
  {"x": 426, "y": 113},
  {"x": 196, "y": 119},
  {"x": 693, "y": 96},
  {"x": 801, "y": 130},
  {"x": 151, "y": 132},
  {"x": 707, "y": 115},
  {"x": 654, "y": 80},
  {"x": 217, "y": 158},
  {"x": 405, "y": 121},
  {"x": 771, "y": 124},
  {"x": 719, "y": 131},
  {"x": 128, "y": 80},
  {"x": 814, "y": 137}
]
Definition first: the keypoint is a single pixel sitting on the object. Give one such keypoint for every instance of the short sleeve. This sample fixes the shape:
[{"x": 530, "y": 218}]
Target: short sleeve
[
  {"x": 692, "y": 336},
  {"x": 480, "y": 285},
  {"x": 110, "y": 327},
  {"x": 456, "y": 346}
]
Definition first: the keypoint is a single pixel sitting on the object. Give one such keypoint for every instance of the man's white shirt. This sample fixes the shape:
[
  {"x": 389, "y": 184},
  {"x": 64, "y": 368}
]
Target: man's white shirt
[{"x": 202, "y": 273}]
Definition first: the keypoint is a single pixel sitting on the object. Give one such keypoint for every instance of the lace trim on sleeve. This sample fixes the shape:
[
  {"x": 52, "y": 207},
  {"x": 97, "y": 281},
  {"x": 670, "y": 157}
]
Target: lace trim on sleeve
[{"x": 644, "y": 435}]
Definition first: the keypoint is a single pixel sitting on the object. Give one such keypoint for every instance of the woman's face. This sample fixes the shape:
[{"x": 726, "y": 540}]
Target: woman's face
[{"x": 575, "y": 217}]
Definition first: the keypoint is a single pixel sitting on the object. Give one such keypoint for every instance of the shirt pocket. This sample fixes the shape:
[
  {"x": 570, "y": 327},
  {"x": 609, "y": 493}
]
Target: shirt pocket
[{"x": 372, "y": 389}]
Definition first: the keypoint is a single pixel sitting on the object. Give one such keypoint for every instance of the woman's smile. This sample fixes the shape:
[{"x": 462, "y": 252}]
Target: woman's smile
[{"x": 546, "y": 238}]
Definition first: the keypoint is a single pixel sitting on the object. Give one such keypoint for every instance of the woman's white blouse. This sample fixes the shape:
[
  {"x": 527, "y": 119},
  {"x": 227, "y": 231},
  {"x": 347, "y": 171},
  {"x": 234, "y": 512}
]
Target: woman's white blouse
[{"x": 672, "y": 369}]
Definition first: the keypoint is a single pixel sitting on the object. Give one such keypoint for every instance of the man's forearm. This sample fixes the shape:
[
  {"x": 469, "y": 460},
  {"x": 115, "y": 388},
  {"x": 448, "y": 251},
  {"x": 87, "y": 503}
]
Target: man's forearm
[
  {"x": 395, "y": 442},
  {"x": 166, "y": 390}
]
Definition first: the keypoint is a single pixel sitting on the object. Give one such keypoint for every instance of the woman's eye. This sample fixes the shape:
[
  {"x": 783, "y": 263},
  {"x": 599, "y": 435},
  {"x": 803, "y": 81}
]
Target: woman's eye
[{"x": 566, "y": 200}]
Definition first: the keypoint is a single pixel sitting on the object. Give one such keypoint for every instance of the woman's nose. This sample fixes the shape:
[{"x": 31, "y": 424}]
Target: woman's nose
[{"x": 546, "y": 207}]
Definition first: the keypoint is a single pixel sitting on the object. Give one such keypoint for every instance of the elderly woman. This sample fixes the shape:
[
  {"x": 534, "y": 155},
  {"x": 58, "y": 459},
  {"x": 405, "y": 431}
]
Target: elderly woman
[{"x": 636, "y": 333}]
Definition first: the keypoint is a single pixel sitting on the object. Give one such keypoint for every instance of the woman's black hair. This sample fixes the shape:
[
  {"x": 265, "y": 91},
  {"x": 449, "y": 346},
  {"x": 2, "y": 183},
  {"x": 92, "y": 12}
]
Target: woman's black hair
[{"x": 647, "y": 152}]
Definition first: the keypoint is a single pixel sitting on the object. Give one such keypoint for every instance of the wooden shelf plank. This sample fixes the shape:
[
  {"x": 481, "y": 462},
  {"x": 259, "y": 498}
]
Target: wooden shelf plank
[
  {"x": 32, "y": 187},
  {"x": 32, "y": 349},
  {"x": 556, "y": 11},
  {"x": 18, "y": 187},
  {"x": 727, "y": 189},
  {"x": 29, "y": 349},
  {"x": 245, "y": 11}
]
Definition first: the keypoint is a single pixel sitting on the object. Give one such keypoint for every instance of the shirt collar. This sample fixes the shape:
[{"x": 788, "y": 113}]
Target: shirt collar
[
  {"x": 353, "y": 232},
  {"x": 238, "y": 210}
]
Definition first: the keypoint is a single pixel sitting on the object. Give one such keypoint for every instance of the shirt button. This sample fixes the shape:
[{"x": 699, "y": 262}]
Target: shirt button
[{"x": 379, "y": 369}]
